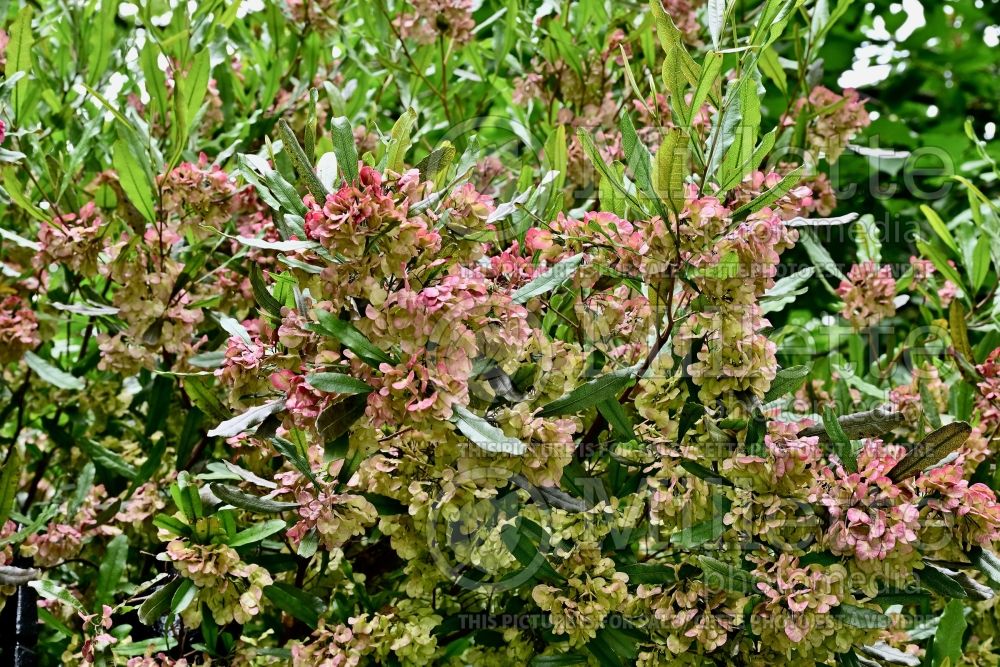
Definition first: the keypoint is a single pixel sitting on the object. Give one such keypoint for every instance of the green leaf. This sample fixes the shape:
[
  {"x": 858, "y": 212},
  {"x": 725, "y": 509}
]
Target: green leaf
[
  {"x": 278, "y": 193},
  {"x": 245, "y": 501},
  {"x": 484, "y": 434},
  {"x": 522, "y": 538},
  {"x": 613, "y": 179},
  {"x": 640, "y": 162},
  {"x": 301, "y": 162},
  {"x": 112, "y": 568},
  {"x": 436, "y": 162},
  {"x": 614, "y": 646},
  {"x": 19, "y": 240},
  {"x": 723, "y": 576},
  {"x": 703, "y": 472},
  {"x": 934, "y": 447},
  {"x": 941, "y": 229},
  {"x": 16, "y": 192},
  {"x": 980, "y": 262},
  {"x": 101, "y": 39},
  {"x": 706, "y": 82},
  {"x": 256, "y": 532},
  {"x": 739, "y": 147},
  {"x": 588, "y": 395},
  {"x": 49, "y": 373},
  {"x": 672, "y": 42},
  {"x": 786, "y": 381},
  {"x": 134, "y": 180},
  {"x": 10, "y": 478},
  {"x": 940, "y": 263},
  {"x": 337, "y": 383},
  {"x": 155, "y": 78},
  {"x": 715, "y": 10},
  {"x": 548, "y": 281},
  {"x": 18, "y": 53},
  {"x": 929, "y": 404},
  {"x": 839, "y": 441},
  {"x": 384, "y": 505},
  {"x": 771, "y": 67},
  {"x": 399, "y": 141},
  {"x": 246, "y": 420},
  {"x": 950, "y": 632},
  {"x": 296, "y": 602},
  {"x": 172, "y": 525},
  {"x": 196, "y": 83},
  {"x": 205, "y": 398},
  {"x": 861, "y": 617},
  {"x": 183, "y": 597},
  {"x": 866, "y": 237},
  {"x": 50, "y": 590},
  {"x": 351, "y": 338},
  {"x": 698, "y": 534},
  {"x": 156, "y": 606},
  {"x": 337, "y": 419},
  {"x": 620, "y": 423},
  {"x": 649, "y": 574},
  {"x": 935, "y": 580},
  {"x": 987, "y": 562},
  {"x": 293, "y": 453},
  {"x": 780, "y": 189},
  {"x": 785, "y": 290},
  {"x": 672, "y": 169},
  {"x": 262, "y": 294},
  {"x": 344, "y": 148}
]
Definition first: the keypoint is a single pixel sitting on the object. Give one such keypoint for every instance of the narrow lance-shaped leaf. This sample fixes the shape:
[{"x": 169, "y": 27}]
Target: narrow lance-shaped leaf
[
  {"x": 197, "y": 83},
  {"x": 134, "y": 180},
  {"x": 157, "y": 604},
  {"x": 937, "y": 445},
  {"x": 588, "y": 395},
  {"x": 716, "y": 12},
  {"x": 672, "y": 169},
  {"x": 948, "y": 638},
  {"x": 246, "y": 420},
  {"x": 262, "y": 294},
  {"x": 351, "y": 338},
  {"x": 256, "y": 532},
  {"x": 18, "y": 54},
  {"x": 607, "y": 172},
  {"x": 10, "y": 476},
  {"x": 720, "y": 575},
  {"x": 296, "y": 602},
  {"x": 736, "y": 162},
  {"x": 345, "y": 148},
  {"x": 101, "y": 39},
  {"x": 337, "y": 383},
  {"x": 51, "y": 374},
  {"x": 706, "y": 82},
  {"x": 236, "y": 498},
  {"x": 786, "y": 381},
  {"x": 484, "y": 434},
  {"x": 112, "y": 568},
  {"x": 399, "y": 141},
  {"x": 301, "y": 162},
  {"x": 155, "y": 78},
  {"x": 790, "y": 180},
  {"x": 839, "y": 441},
  {"x": 549, "y": 280},
  {"x": 436, "y": 162},
  {"x": 523, "y": 539},
  {"x": 640, "y": 162},
  {"x": 868, "y": 424}
]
